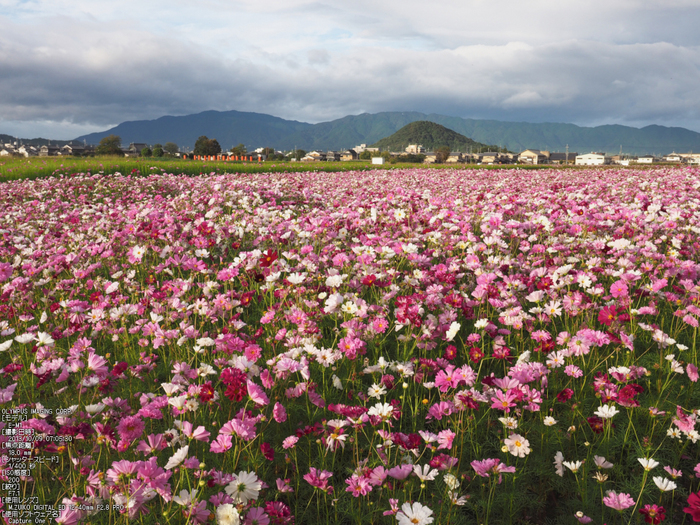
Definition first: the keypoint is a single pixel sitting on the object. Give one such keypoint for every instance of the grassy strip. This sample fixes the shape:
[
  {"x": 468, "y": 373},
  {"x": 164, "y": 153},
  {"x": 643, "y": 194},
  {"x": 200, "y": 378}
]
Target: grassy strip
[{"x": 36, "y": 167}]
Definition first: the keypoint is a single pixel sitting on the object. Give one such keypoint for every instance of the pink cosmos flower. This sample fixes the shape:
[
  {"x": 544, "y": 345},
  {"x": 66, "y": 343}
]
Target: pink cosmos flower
[
  {"x": 573, "y": 371},
  {"x": 130, "y": 427},
  {"x": 394, "y": 504},
  {"x": 445, "y": 439},
  {"x": 222, "y": 443},
  {"x": 439, "y": 410},
  {"x": 256, "y": 393},
  {"x": 692, "y": 372},
  {"x": 256, "y": 516},
  {"x": 283, "y": 485},
  {"x": 199, "y": 434},
  {"x": 155, "y": 444},
  {"x": 279, "y": 413},
  {"x": 358, "y": 486},
  {"x": 486, "y": 467},
  {"x": 619, "y": 501},
  {"x": 619, "y": 289},
  {"x": 400, "y": 471},
  {"x": 503, "y": 401},
  {"x": 319, "y": 479},
  {"x": 289, "y": 442}
]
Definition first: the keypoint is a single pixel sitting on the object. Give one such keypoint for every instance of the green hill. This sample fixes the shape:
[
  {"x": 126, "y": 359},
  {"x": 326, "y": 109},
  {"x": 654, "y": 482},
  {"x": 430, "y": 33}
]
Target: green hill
[{"x": 431, "y": 136}]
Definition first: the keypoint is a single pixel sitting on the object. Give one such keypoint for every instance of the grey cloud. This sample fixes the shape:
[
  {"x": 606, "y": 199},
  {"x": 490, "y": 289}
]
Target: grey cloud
[{"x": 97, "y": 74}]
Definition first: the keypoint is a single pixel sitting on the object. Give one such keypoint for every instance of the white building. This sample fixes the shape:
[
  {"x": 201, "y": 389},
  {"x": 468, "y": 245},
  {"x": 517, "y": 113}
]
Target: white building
[
  {"x": 592, "y": 159},
  {"x": 646, "y": 159}
]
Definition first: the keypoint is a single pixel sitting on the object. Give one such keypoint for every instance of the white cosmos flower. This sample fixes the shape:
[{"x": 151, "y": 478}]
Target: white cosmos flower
[
  {"x": 664, "y": 485},
  {"x": 606, "y": 411},
  {"x": 648, "y": 463},
  {"x": 573, "y": 466},
  {"x": 549, "y": 421},
  {"x": 177, "y": 458},
  {"x": 227, "y": 514},
  {"x": 451, "y": 481},
  {"x": 6, "y": 345},
  {"x": 382, "y": 410},
  {"x": 186, "y": 497},
  {"x": 481, "y": 323},
  {"x": 25, "y": 338},
  {"x": 94, "y": 409},
  {"x": 559, "y": 463},
  {"x": 601, "y": 462},
  {"x": 376, "y": 391},
  {"x": 171, "y": 388},
  {"x": 244, "y": 487},
  {"x": 425, "y": 473},
  {"x": 414, "y": 514},
  {"x": 452, "y": 332},
  {"x": 510, "y": 422},
  {"x": 296, "y": 278},
  {"x": 178, "y": 402},
  {"x": 43, "y": 338},
  {"x": 517, "y": 445}
]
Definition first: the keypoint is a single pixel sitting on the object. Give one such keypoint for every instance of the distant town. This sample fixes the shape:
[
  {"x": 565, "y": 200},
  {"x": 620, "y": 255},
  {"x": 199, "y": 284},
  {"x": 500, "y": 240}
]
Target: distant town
[{"x": 412, "y": 153}]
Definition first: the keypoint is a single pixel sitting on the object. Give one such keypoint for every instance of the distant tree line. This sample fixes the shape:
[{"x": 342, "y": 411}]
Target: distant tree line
[{"x": 112, "y": 145}]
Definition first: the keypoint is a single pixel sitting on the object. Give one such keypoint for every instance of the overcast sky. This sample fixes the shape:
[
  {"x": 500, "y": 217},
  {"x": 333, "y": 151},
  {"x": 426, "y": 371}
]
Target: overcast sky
[{"x": 69, "y": 67}]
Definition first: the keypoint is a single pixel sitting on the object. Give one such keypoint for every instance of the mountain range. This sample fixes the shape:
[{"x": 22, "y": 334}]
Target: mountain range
[{"x": 260, "y": 130}]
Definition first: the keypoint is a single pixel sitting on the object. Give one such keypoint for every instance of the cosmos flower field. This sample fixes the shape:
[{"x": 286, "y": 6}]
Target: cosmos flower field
[{"x": 403, "y": 346}]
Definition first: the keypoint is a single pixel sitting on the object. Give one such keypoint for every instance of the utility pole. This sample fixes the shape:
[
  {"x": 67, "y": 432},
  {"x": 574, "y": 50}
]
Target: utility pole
[{"x": 567, "y": 154}]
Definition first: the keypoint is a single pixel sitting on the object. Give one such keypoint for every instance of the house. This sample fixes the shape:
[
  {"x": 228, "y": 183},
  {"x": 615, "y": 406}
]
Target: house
[
  {"x": 673, "y": 157},
  {"x": 28, "y": 151},
  {"x": 49, "y": 151},
  {"x": 69, "y": 149},
  {"x": 490, "y": 157},
  {"x": 454, "y": 158},
  {"x": 349, "y": 154},
  {"x": 415, "y": 149},
  {"x": 690, "y": 158},
  {"x": 7, "y": 150},
  {"x": 314, "y": 156},
  {"x": 593, "y": 159},
  {"x": 333, "y": 155},
  {"x": 562, "y": 158},
  {"x": 533, "y": 156},
  {"x": 136, "y": 147}
]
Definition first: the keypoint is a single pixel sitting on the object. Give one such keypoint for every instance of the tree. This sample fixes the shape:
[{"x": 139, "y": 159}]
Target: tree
[
  {"x": 239, "y": 150},
  {"x": 157, "y": 150},
  {"x": 442, "y": 154},
  {"x": 214, "y": 147},
  {"x": 146, "y": 152},
  {"x": 366, "y": 155},
  {"x": 296, "y": 154},
  {"x": 171, "y": 148},
  {"x": 206, "y": 146},
  {"x": 110, "y": 145}
]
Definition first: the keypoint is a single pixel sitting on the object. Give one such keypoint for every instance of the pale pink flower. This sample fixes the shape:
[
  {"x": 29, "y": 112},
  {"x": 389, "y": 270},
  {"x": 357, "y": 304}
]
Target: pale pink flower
[{"x": 618, "y": 501}]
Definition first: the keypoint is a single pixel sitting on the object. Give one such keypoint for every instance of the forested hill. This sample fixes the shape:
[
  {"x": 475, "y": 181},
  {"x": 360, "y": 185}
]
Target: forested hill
[{"x": 431, "y": 136}]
